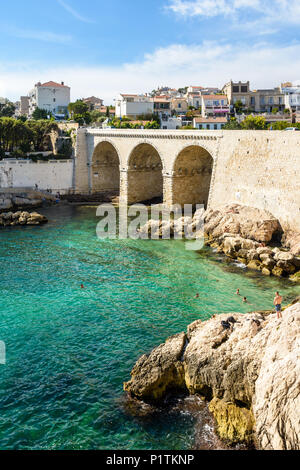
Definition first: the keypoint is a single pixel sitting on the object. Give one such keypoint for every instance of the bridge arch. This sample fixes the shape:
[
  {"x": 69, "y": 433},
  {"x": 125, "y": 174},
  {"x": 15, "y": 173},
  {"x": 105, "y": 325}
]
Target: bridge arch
[
  {"x": 192, "y": 172},
  {"x": 105, "y": 168},
  {"x": 145, "y": 174}
]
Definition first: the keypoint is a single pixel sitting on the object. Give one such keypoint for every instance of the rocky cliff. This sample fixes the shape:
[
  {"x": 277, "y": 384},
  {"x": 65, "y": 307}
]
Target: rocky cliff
[{"x": 247, "y": 368}]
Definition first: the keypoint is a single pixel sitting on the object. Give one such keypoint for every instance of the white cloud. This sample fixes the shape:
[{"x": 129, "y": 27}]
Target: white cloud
[
  {"x": 267, "y": 11},
  {"x": 209, "y": 63},
  {"x": 74, "y": 13},
  {"x": 209, "y": 8}
]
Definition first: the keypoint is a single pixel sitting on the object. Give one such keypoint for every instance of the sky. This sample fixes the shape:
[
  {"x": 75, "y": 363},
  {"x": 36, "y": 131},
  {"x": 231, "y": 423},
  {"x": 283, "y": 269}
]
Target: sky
[{"x": 104, "y": 48}]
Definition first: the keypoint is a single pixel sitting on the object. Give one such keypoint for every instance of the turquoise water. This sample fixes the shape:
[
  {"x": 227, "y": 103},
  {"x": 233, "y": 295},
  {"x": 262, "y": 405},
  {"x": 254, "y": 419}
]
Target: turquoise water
[{"x": 70, "y": 349}]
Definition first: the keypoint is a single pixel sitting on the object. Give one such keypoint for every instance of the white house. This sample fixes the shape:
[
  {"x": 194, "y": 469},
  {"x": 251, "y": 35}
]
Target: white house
[
  {"x": 171, "y": 123},
  {"x": 51, "y": 96},
  {"x": 133, "y": 105},
  {"x": 292, "y": 97},
  {"x": 209, "y": 123}
]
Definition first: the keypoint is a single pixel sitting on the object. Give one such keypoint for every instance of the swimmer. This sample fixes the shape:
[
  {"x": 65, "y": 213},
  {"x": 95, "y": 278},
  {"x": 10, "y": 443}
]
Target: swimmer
[
  {"x": 238, "y": 292},
  {"x": 245, "y": 299},
  {"x": 197, "y": 296},
  {"x": 82, "y": 286}
]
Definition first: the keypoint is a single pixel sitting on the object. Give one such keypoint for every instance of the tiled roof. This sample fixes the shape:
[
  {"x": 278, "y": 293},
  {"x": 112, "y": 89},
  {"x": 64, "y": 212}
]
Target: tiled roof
[
  {"x": 214, "y": 97},
  {"x": 211, "y": 120},
  {"x": 53, "y": 84}
]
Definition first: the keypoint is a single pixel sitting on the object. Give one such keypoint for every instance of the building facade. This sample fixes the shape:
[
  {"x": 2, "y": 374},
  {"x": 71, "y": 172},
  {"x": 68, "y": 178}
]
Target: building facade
[
  {"x": 211, "y": 123},
  {"x": 214, "y": 105},
  {"x": 93, "y": 103},
  {"x": 239, "y": 91},
  {"x": 133, "y": 105},
  {"x": 291, "y": 97},
  {"x": 179, "y": 105},
  {"x": 51, "y": 96},
  {"x": 267, "y": 101}
]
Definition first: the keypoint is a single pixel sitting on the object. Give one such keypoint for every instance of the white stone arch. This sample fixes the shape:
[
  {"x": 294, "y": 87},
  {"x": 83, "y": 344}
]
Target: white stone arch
[
  {"x": 145, "y": 180},
  {"x": 192, "y": 174},
  {"x": 105, "y": 172}
]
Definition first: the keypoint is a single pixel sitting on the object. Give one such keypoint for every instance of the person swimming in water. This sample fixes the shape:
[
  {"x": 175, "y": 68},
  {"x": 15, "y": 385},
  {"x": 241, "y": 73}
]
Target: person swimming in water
[{"x": 238, "y": 292}]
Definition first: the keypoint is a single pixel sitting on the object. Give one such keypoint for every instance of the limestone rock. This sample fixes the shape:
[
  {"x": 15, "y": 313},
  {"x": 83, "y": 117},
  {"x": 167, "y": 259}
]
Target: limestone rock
[
  {"x": 249, "y": 373},
  {"x": 254, "y": 264},
  {"x": 248, "y": 222},
  {"x": 160, "y": 371},
  {"x": 277, "y": 389},
  {"x": 291, "y": 240}
]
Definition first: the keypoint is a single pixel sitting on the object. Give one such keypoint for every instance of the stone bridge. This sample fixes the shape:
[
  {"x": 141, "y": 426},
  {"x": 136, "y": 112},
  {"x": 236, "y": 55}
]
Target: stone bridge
[{"x": 257, "y": 168}]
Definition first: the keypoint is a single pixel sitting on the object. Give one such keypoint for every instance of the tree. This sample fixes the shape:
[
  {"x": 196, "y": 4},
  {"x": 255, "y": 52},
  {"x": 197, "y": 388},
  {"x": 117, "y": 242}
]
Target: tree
[
  {"x": 232, "y": 125},
  {"x": 78, "y": 107},
  {"x": 39, "y": 114},
  {"x": 7, "y": 109},
  {"x": 275, "y": 110},
  {"x": 254, "y": 122},
  {"x": 238, "y": 105}
]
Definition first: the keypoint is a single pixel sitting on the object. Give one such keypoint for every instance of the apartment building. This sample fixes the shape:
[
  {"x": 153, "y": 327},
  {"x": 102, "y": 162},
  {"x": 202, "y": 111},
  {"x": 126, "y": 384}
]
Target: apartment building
[
  {"x": 162, "y": 106},
  {"x": 133, "y": 105},
  {"x": 214, "y": 105},
  {"x": 239, "y": 91},
  {"x": 93, "y": 103},
  {"x": 266, "y": 101},
  {"x": 51, "y": 96},
  {"x": 291, "y": 97},
  {"x": 179, "y": 105}
]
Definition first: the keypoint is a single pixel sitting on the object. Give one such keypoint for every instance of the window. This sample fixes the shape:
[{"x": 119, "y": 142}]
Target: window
[
  {"x": 236, "y": 89},
  {"x": 215, "y": 126},
  {"x": 271, "y": 100},
  {"x": 179, "y": 105},
  {"x": 252, "y": 101},
  {"x": 54, "y": 100},
  {"x": 244, "y": 89}
]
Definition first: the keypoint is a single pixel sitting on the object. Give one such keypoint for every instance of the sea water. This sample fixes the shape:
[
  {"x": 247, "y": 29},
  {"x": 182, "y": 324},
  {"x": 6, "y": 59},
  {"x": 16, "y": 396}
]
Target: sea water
[{"x": 69, "y": 350}]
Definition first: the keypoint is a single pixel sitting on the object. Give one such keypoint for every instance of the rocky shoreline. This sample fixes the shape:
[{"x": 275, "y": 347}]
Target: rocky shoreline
[
  {"x": 252, "y": 236},
  {"x": 11, "y": 219},
  {"x": 248, "y": 372}
]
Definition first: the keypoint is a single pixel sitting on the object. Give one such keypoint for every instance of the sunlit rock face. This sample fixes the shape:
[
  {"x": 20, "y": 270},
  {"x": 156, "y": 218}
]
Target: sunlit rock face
[{"x": 246, "y": 366}]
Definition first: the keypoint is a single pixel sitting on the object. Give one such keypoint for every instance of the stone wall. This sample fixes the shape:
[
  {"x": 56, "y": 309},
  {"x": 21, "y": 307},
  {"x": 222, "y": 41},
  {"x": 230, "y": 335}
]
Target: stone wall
[
  {"x": 260, "y": 169},
  {"x": 56, "y": 175}
]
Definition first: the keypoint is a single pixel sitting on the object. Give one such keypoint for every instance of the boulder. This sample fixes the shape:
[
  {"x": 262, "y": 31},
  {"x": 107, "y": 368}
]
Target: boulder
[
  {"x": 277, "y": 271},
  {"x": 295, "y": 277},
  {"x": 284, "y": 256},
  {"x": 248, "y": 222},
  {"x": 254, "y": 264},
  {"x": 159, "y": 371}
]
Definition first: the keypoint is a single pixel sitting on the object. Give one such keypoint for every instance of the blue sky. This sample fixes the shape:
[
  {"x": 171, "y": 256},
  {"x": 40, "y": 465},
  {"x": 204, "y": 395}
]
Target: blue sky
[{"x": 102, "y": 48}]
